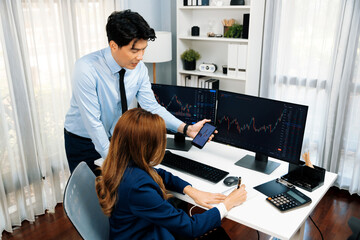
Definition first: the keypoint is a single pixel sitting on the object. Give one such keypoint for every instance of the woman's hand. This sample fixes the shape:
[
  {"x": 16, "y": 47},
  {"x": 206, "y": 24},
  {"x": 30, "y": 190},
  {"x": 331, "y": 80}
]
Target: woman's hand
[
  {"x": 204, "y": 198},
  {"x": 235, "y": 198}
]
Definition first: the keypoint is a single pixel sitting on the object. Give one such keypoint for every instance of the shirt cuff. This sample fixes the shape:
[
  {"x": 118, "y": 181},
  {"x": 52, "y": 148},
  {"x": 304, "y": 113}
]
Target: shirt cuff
[{"x": 222, "y": 209}]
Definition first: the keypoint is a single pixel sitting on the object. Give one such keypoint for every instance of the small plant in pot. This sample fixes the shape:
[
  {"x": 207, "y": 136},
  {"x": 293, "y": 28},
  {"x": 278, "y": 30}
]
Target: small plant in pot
[
  {"x": 234, "y": 31},
  {"x": 189, "y": 58}
]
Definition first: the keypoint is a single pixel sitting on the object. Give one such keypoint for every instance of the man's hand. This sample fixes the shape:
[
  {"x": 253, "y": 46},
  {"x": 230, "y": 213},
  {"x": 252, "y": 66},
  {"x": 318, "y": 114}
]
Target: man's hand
[
  {"x": 195, "y": 128},
  {"x": 204, "y": 198}
]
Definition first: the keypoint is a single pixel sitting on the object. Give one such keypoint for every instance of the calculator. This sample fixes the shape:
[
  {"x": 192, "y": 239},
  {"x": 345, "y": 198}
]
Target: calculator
[{"x": 290, "y": 199}]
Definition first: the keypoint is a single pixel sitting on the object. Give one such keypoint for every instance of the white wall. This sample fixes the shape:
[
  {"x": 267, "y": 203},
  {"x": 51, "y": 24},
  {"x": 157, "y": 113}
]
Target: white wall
[{"x": 161, "y": 15}]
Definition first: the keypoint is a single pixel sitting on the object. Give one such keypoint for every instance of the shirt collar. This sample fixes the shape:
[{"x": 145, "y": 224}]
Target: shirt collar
[{"x": 114, "y": 67}]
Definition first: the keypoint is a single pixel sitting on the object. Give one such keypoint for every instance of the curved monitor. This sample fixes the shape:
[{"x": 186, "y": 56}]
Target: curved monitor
[
  {"x": 188, "y": 104},
  {"x": 267, "y": 127}
]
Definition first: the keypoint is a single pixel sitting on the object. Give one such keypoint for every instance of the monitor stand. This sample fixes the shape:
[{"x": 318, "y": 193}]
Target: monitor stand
[
  {"x": 178, "y": 143},
  {"x": 258, "y": 163}
]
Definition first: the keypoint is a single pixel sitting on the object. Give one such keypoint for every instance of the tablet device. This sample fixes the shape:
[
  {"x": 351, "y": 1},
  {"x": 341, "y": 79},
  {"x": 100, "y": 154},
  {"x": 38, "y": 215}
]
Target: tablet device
[{"x": 203, "y": 135}]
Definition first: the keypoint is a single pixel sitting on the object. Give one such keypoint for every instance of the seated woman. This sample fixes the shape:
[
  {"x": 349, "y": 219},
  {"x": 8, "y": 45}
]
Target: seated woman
[{"x": 134, "y": 194}]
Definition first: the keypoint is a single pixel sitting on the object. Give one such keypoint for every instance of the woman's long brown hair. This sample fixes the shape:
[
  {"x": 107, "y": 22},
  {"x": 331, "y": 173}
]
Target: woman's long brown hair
[{"x": 139, "y": 136}]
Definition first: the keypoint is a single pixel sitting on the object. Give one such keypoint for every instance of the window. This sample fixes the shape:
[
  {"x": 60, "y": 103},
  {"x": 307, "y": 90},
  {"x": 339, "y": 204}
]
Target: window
[{"x": 304, "y": 61}]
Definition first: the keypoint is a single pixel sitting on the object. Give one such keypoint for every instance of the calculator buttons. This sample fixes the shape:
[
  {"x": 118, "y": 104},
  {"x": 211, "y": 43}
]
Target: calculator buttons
[{"x": 284, "y": 201}]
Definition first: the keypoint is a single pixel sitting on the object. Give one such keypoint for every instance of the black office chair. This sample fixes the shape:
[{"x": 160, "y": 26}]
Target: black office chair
[
  {"x": 354, "y": 224},
  {"x": 82, "y": 206}
]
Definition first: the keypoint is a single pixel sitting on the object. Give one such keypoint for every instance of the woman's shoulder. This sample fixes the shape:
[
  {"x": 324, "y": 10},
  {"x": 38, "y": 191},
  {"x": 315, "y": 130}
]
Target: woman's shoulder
[{"x": 137, "y": 176}]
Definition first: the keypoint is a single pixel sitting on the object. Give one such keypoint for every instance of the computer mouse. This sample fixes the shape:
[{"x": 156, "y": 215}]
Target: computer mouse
[{"x": 230, "y": 181}]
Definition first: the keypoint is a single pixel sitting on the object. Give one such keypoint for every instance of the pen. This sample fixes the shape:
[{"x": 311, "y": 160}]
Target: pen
[{"x": 239, "y": 182}]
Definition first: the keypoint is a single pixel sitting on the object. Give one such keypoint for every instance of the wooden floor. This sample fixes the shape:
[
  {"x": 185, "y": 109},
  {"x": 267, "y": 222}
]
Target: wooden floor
[{"x": 331, "y": 216}]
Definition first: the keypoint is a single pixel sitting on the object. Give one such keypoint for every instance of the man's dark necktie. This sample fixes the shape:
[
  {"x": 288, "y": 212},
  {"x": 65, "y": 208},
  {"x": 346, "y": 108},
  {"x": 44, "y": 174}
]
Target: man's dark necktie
[{"x": 124, "y": 106}]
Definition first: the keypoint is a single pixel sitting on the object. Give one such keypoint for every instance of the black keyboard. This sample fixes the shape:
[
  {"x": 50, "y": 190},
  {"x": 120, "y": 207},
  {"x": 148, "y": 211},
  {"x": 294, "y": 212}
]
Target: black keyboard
[{"x": 195, "y": 168}]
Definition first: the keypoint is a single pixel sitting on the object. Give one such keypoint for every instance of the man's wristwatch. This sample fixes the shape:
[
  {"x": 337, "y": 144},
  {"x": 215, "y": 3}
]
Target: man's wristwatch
[{"x": 185, "y": 129}]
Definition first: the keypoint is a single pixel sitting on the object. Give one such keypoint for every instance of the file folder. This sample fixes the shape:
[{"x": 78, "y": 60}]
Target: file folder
[
  {"x": 232, "y": 59},
  {"x": 241, "y": 61}
]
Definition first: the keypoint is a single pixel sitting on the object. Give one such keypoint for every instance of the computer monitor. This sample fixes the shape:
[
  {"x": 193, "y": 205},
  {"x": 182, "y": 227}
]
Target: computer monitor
[
  {"x": 267, "y": 127},
  {"x": 188, "y": 104}
]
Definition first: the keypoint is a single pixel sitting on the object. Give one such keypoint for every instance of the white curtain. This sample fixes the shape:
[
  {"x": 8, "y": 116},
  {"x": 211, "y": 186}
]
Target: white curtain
[
  {"x": 311, "y": 56},
  {"x": 40, "y": 41}
]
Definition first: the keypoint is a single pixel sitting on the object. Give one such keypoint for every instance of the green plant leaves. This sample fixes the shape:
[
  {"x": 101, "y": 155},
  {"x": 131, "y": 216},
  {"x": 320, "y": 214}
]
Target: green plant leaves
[
  {"x": 190, "y": 55},
  {"x": 234, "y": 31}
]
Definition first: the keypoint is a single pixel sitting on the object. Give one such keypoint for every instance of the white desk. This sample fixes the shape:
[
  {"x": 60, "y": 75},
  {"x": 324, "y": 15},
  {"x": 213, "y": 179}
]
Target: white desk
[{"x": 256, "y": 212}]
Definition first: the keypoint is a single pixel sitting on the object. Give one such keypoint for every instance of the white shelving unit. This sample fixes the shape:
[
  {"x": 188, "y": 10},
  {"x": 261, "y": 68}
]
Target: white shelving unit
[
  {"x": 215, "y": 49},
  {"x": 214, "y": 7},
  {"x": 214, "y": 39}
]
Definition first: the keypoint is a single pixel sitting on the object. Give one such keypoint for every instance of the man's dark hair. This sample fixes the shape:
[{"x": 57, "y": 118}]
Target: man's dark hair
[{"x": 122, "y": 27}]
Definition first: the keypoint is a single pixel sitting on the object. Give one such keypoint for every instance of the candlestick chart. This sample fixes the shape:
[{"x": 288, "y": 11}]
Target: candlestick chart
[
  {"x": 270, "y": 127},
  {"x": 188, "y": 104}
]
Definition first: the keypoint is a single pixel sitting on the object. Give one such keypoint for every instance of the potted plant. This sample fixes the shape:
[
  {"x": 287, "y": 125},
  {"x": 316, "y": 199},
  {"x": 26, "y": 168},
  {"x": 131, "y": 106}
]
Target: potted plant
[
  {"x": 189, "y": 58},
  {"x": 234, "y": 31}
]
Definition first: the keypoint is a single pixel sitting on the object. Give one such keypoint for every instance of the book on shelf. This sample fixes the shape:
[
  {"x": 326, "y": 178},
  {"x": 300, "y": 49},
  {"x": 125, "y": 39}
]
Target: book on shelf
[
  {"x": 202, "y": 80},
  {"x": 199, "y": 81},
  {"x": 195, "y": 80},
  {"x": 189, "y": 80},
  {"x": 212, "y": 83},
  {"x": 237, "y": 60},
  {"x": 241, "y": 61},
  {"x": 183, "y": 79},
  {"x": 196, "y": 2}
]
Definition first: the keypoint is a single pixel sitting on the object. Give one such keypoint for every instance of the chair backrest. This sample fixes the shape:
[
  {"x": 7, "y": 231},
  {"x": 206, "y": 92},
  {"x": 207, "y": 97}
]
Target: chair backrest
[
  {"x": 354, "y": 224},
  {"x": 82, "y": 206}
]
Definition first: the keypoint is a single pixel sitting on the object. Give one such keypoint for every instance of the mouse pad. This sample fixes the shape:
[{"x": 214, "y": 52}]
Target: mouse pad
[{"x": 271, "y": 188}]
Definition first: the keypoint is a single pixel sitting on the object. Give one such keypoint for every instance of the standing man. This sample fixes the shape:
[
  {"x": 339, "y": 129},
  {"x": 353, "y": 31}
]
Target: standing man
[{"x": 104, "y": 82}]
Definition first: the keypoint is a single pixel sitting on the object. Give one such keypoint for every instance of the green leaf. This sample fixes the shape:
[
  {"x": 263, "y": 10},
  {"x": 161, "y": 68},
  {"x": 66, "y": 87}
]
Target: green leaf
[{"x": 190, "y": 55}]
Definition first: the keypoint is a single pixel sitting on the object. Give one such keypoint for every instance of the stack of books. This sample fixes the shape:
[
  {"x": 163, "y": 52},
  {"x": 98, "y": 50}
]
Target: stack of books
[
  {"x": 200, "y": 81},
  {"x": 196, "y": 2},
  {"x": 207, "y": 82}
]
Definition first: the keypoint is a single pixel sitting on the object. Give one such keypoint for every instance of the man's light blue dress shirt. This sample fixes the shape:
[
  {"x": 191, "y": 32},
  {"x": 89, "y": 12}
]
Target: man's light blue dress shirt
[{"x": 95, "y": 106}]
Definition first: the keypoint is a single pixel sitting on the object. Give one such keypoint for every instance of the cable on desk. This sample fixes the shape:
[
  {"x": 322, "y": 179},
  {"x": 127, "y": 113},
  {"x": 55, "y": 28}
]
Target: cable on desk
[
  {"x": 191, "y": 210},
  {"x": 258, "y": 234},
  {"x": 317, "y": 227}
]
